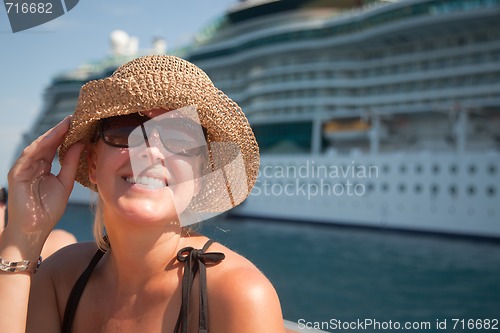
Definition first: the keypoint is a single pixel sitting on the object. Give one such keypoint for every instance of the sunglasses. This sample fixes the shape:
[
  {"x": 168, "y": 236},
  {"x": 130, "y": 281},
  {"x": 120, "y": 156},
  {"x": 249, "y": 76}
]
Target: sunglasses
[{"x": 181, "y": 136}]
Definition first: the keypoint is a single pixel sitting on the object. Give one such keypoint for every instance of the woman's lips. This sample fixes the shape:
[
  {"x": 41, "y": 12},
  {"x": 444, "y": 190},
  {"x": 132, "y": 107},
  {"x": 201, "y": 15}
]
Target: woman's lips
[
  {"x": 148, "y": 182},
  {"x": 155, "y": 177}
]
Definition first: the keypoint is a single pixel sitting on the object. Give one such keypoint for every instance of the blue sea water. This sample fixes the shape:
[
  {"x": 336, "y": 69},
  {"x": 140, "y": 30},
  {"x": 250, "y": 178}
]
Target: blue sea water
[{"x": 325, "y": 273}]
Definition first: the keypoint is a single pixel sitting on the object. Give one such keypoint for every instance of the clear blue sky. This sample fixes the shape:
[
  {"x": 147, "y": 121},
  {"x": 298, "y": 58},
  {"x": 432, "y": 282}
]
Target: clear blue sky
[{"x": 29, "y": 59}]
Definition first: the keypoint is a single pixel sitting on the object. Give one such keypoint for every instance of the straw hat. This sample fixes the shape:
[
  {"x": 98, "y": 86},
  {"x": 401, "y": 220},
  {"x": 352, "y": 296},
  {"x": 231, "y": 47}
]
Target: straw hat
[{"x": 168, "y": 82}]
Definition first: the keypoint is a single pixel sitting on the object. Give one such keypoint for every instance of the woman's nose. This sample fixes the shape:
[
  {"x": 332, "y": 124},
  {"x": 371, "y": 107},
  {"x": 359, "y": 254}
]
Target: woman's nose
[{"x": 153, "y": 148}]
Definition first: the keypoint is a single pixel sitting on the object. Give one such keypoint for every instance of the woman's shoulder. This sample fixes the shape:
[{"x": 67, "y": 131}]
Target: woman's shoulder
[
  {"x": 237, "y": 272},
  {"x": 59, "y": 272},
  {"x": 69, "y": 261},
  {"x": 236, "y": 280},
  {"x": 239, "y": 291}
]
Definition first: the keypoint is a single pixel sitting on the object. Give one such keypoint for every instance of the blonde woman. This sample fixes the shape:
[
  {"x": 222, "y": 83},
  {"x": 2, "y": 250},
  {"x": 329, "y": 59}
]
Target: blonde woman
[{"x": 163, "y": 148}]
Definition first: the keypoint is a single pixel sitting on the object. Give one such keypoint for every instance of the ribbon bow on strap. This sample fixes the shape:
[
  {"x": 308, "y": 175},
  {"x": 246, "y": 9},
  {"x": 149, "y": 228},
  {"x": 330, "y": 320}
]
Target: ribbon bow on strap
[{"x": 195, "y": 260}]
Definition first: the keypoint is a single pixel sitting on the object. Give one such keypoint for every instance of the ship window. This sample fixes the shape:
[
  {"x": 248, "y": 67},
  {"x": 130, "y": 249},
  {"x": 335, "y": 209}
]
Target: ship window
[
  {"x": 385, "y": 187},
  {"x": 491, "y": 190},
  {"x": 472, "y": 169},
  {"x": 492, "y": 169},
  {"x": 453, "y": 168},
  {"x": 471, "y": 190},
  {"x": 385, "y": 168},
  {"x": 418, "y": 168},
  {"x": 434, "y": 189},
  {"x": 418, "y": 188},
  {"x": 402, "y": 168},
  {"x": 286, "y": 138},
  {"x": 453, "y": 190},
  {"x": 402, "y": 188},
  {"x": 371, "y": 187},
  {"x": 435, "y": 168}
]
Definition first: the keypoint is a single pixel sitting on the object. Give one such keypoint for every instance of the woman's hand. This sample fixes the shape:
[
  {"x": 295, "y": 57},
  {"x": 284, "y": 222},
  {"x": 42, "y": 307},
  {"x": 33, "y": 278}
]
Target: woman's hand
[{"x": 37, "y": 198}]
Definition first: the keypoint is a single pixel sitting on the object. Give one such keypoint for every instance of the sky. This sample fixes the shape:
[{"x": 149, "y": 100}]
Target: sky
[{"x": 31, "y": 58}]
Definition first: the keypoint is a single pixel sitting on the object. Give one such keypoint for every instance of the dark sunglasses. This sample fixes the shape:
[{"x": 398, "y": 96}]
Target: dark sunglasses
[{"x": 181, "y": 136}]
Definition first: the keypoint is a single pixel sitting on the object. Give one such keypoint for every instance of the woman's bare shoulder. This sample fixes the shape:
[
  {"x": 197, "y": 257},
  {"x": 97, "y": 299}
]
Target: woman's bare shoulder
[
  {"x": 240, "y": 291},
  {"x": 57, "y": 275},
  {"x": 237, "y": 272},
  {"x": 233, "y": 260},
  {"x": 69, "y": 261}
]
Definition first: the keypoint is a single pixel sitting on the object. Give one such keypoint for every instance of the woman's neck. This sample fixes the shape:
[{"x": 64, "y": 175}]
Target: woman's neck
[{"x": 140, "y": 253}]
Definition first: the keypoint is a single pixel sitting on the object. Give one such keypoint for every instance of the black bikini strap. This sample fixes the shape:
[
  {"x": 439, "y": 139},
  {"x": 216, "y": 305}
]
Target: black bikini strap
[
  {"x": 195, "y": 260},
  {"x": 77, "y": 291}
]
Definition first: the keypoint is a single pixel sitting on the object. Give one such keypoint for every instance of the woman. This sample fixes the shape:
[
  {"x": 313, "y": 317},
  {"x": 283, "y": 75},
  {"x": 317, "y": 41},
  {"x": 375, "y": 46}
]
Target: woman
[{"x": 134, "y": 139}]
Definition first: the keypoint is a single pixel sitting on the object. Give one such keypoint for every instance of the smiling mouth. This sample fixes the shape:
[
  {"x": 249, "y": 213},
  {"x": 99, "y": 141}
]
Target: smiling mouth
[{"x": 148, "y": 182}]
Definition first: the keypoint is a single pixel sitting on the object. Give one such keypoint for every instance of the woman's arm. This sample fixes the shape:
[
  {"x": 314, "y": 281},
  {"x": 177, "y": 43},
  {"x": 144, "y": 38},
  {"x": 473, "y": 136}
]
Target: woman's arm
[
  {"x": 37, "y": 200},
  {"x": 43, "y": 313}
]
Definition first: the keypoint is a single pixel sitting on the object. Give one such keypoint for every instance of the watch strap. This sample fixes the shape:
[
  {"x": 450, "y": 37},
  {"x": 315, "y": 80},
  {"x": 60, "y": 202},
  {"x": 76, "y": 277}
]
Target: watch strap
[{"x": 20, "y": 266}]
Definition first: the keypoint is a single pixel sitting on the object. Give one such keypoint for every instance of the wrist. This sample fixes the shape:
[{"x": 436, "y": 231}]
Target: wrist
[
  {"x": 23, "y": 266},
  {"x": 16, "y": 246}
]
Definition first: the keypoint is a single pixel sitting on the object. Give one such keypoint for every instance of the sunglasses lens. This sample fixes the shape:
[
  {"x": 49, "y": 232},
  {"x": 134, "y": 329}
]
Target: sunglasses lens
[
  {"x": 182, "y": 147},
  {"x": 122, "y": 136},
  {"x": 179, "y": 136},
  {"x": 182, "y": 136},
  {"x": 119, "y": 131}
]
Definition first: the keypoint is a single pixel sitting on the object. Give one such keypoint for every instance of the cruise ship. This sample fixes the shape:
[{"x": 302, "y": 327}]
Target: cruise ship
[
  {"x": 381, "y": 114},
  {"x": 370, "y": 113}
]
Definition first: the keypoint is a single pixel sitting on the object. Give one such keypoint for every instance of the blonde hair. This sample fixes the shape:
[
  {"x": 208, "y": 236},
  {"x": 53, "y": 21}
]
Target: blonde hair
[{"x": 98, "y": 230}]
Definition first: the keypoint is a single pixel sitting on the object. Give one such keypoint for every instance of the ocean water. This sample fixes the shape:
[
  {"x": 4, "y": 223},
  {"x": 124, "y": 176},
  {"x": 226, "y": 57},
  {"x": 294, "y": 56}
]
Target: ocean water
[{"x": 326, "y": 274}]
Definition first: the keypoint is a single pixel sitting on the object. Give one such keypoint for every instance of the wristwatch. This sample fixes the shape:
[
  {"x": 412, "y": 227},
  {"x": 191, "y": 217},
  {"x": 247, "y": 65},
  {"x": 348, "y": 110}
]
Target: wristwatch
[{"x": 20, "y": 266}]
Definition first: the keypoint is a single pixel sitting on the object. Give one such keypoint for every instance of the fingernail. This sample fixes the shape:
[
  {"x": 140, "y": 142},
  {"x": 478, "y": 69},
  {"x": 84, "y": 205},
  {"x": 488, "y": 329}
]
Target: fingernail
[{"x": 67, "y": 118}]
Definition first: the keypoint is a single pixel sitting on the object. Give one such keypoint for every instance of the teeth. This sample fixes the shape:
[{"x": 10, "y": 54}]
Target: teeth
[{"x": 149, "y": 182}]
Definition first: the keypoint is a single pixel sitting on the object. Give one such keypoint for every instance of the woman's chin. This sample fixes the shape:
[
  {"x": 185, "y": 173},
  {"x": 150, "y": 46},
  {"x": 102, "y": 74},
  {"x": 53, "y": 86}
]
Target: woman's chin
[{"x": 146, "y": 211}]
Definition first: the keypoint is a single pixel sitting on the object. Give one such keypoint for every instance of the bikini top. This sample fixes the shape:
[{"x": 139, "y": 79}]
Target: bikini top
[{"x": 194, "y": 260}]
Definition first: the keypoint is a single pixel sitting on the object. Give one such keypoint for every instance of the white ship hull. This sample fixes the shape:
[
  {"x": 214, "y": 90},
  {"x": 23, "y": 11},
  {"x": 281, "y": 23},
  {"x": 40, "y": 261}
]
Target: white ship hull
[{"x": 443, "y": 193}]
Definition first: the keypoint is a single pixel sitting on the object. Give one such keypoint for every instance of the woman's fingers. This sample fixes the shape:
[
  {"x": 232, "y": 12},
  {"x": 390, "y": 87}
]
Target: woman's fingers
[
  {"x": 38, "y": 198},
  {"x": 69, "y": 166},
  {"x": 45, "y": 146},
  {"x": 36, "y": 159}
]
